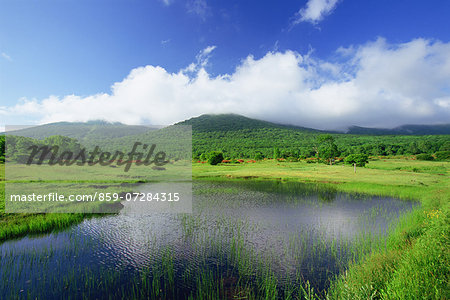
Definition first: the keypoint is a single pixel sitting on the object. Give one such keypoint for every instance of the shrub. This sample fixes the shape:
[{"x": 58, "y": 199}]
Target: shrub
[
  {"x": 424, "y": 156},
  {"x": 215, "y": 157},
  {"x": 442, "y": 155},
  {"x": 359, "y": 159},
  {"x": 259, "y": 156}
]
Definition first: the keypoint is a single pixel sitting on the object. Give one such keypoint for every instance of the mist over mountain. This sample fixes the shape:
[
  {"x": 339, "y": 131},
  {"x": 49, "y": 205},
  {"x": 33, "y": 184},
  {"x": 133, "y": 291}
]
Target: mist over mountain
[
  {"x": 402, "y": 130},
  {"x": 212, "y": 123}
]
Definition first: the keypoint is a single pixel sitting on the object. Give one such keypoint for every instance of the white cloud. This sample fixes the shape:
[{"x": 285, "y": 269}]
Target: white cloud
[
  {"x": 202, "y": 60},
  {"x": 375, "y": 84},
  {"x": 6, "y": 56},
  {"x": 204, "y": 55},
  {"x": 199, "y": 8},
  {"x": 164, "y": 42},
  {"x": 315, "y": 11},
  {"x": 166, "y": 2}
]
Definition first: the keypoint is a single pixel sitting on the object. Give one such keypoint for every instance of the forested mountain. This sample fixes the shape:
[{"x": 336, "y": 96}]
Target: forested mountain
[
  {"x": 91, "y": 130},
  {"x": 241, "y": 137},
  {"x": 234, "y": 122},
  {"x": 403, "y": 130}
]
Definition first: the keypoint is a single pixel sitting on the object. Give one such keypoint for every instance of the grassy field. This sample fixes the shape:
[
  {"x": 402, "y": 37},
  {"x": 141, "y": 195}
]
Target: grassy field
[
  {"x": 415, "y": 264},
  {"x": 15, "y": 225}
]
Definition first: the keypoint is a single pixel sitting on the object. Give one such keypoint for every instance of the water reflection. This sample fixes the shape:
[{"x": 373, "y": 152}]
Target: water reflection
[{"x": 296, "y": 228}]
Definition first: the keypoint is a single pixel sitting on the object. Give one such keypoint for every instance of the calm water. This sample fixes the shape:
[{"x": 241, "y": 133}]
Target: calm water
[{"x": 297, "y": 231}]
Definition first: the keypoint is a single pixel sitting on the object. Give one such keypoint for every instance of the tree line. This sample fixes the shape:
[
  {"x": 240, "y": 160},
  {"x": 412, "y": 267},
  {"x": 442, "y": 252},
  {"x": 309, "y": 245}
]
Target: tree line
[
  {"x": 266, "y": 143},
  {"x": 321, "y": 147}
]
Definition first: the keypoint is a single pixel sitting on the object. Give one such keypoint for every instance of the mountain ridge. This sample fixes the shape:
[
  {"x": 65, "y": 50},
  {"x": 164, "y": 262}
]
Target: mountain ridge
[
  {"x": 222, "y": 122},
  {"x": 216, "y": 122}
]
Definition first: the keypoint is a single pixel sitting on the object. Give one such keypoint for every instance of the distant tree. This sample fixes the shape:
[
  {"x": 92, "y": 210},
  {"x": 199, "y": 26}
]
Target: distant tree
[
  {"x": 196, "y": 155},
  {"x": 259, "y": 155},
  {"x": 19, "y": 148},
  {"x": 64, "y": 143},
  {"x": 276, "y": 153},
  {"x": 424, "y": 146},
  {"x": 413, "y": 149},
  {"x": 204, "y": 157},
  {"x": 307, "y": 152},
  {"x": 215, "y": 157},
  {"x": 359, "y": 159},
  {"x": 424, "y": 156},
  {"x": 327, "y": 149},
  {"x": 445, "y": 146},
  {"x": 380, "y": 149},
  {"x": 2, "y": 148},
  {"x": 442, "y": 155}
]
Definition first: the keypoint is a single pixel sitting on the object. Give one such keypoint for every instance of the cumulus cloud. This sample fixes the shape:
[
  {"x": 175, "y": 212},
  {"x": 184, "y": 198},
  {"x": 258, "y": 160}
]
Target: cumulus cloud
[
  {"x": 315, "y": 11},
  {"x": 375, "y": 84}
]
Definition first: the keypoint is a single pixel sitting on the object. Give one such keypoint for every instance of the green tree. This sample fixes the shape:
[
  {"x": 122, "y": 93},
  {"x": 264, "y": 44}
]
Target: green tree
[
  {"x": 64, "y": 143},
  {"x": 327, "y": 149},
  {"x": 2, "y": 148},
  {"x": 259, "y": 155},
  {"x": 445, "y": 146},
  {"x": 442, "y": 155},
  {"x": 276, "y": 153},
  {"x": 21, "y": 151},
  {"x": 413, "y": 149},
  {"x": 424, "y": 156},
  {"x": 359, "y": 159},
  {"x": 424, "y": 146},
  {"x": 215, "y": 157}
]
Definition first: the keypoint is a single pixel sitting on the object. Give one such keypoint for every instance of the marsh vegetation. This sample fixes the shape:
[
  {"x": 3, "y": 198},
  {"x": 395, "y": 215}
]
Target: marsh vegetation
[{"x": 249, "y": 239}]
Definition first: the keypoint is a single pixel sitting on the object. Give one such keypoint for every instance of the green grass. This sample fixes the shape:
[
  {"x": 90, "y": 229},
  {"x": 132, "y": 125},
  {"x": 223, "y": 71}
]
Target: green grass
[
  {"x": 68, "y": 180},
  {"x": 412, "y": 264},
  {"x": 13, "y": 225},
  {"x": 415, "y": 263}
]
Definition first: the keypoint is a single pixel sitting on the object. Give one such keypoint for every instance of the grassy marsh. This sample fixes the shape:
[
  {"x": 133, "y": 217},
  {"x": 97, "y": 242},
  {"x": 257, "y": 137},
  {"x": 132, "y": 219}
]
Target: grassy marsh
[
  {"x": 415, "y": 262},
  {"x": 410, "y": 262}
]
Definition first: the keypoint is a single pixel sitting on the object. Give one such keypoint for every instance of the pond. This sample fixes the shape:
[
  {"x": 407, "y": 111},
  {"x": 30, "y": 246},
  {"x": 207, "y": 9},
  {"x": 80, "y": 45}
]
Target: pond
[{"x": 244, "y": 238}]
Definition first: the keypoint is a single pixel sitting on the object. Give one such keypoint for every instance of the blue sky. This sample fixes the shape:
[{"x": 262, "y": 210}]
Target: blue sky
[{"x": 59, "y": 56}]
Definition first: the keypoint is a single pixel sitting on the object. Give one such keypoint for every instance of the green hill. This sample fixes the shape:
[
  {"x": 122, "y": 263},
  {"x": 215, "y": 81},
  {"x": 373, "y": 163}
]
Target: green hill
[
  {"x": 242, "y": 137},
  {"x": 92, "y": 130},
  {"x": 234, "y": 122}
]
